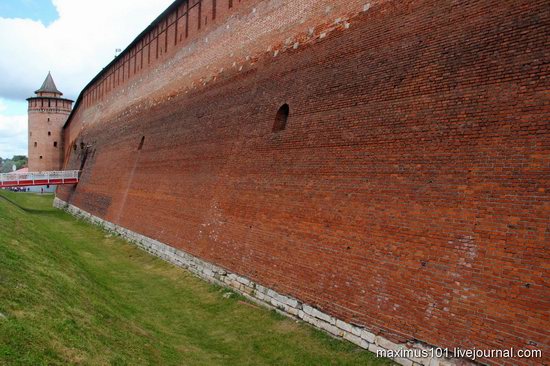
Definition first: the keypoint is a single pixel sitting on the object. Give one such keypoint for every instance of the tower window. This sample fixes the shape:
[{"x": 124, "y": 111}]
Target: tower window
[
  {"x": 35, "y": 144},
  {"x": 40, "y": 157},
  {"x": 141, "y": 143},
  {"x": 30, "y": 133},
  {"x": 281, "y": 118},
  {"x": 55, "y": 144},
  {"x": 49, "y": 133},
  {"x": 48, "y": 120}
]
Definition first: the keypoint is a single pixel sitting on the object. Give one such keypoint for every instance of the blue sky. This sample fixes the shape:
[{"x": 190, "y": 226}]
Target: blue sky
[
  {"x": 14, "y": 107},
  {"x": 40, "y": 10},
  {"x": 37, "y": 36}
]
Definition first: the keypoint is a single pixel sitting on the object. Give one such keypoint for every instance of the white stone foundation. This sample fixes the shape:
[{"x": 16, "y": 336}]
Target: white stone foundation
[{"x": 264, "y": 296}]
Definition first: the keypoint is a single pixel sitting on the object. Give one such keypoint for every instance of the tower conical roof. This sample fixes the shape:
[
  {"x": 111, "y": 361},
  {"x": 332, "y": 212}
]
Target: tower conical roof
[{"x": 48, "y": 86}]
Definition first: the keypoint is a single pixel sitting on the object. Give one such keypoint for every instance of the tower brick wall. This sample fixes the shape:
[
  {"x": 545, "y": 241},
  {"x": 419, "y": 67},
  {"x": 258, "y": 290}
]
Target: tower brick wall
[
  {"x": 408, "y": 191},
  {"x": 48, "y": 113}
]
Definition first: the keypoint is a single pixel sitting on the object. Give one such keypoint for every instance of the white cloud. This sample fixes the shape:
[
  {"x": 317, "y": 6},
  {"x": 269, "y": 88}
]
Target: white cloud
[
  {"x": 13, "y": 136},
  {"x": 75, "y": 47}
]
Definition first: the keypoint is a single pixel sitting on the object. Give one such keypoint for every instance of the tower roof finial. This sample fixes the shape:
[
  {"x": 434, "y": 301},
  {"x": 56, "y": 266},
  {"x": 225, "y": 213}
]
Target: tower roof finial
[{"x": 48, "y": 86}]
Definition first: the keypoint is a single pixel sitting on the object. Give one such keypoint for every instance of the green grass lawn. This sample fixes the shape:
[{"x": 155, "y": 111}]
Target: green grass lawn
[{"x": 72, "y": 294}]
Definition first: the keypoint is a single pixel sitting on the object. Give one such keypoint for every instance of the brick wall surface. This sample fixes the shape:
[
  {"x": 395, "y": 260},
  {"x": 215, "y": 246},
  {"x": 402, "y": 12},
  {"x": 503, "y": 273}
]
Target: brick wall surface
[
  {"x": 408, "y": 193},
  {"x": 46, "y": 119}
]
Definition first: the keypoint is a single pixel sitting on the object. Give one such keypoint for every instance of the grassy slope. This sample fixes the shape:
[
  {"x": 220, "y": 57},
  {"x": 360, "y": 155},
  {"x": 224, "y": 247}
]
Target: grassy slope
[{"x": 71, "y": 294}]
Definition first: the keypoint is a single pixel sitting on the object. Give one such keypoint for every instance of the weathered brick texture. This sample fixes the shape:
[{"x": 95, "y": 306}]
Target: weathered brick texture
[{"x": 408, "y": 193}]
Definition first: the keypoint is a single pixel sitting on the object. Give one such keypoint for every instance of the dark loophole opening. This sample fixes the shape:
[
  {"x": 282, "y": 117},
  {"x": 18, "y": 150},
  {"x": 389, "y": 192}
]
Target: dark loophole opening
[
  {"x": 55, "y": 144},
  {"x": 141, "y": 143},
  {"x": 49, "y": 133},
  {"x": 281, "y": 118}
]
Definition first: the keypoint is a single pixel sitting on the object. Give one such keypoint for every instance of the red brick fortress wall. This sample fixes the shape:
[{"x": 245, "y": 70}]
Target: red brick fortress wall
[{"x": 408, "y": 192}]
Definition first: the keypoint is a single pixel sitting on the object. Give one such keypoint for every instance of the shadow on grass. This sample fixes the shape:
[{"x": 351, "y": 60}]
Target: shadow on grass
[{"x": 25, "y": 209}]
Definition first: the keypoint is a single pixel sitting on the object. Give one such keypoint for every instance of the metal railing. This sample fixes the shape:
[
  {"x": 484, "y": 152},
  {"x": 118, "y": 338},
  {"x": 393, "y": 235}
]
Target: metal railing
[{"x": 39, "y": 178}]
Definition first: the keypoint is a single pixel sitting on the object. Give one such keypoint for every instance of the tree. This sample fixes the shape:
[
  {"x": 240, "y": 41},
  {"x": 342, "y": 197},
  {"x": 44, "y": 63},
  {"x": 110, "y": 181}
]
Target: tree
[{"x": 6, "y": 165}]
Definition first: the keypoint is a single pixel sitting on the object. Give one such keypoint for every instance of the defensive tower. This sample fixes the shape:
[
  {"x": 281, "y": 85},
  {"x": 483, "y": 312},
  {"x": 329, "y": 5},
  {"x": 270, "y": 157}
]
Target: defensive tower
[{"x": 48, "y": 111}]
